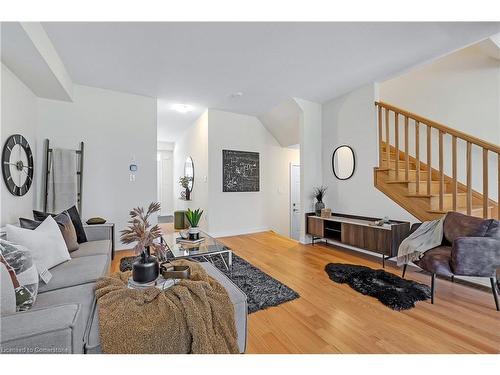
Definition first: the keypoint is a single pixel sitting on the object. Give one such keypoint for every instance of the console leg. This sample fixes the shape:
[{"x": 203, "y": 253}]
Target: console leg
[
  {"x": 433, "y": 282},
  {"x": 494, "y": 291}
]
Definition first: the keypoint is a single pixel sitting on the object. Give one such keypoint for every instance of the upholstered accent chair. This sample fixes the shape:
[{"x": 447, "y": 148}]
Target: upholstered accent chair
[{"x": 470, "y": 247}]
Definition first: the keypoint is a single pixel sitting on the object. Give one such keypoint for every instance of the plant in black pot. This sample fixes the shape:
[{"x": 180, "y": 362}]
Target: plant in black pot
[
  {"x": 319, "y": 194},
  {"x": 193, "y": 217},
  {"x": 145, "y": 267}
]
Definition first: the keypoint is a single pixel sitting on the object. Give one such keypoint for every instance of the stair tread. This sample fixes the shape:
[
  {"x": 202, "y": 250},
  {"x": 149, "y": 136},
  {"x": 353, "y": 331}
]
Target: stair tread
[
  {"x": 449, "y": 194},
  {"x": 397, "y": 181},
  {"x": 394, "y": 159},
  {"x": 410, "y": 170},
  {"x": 432, "y": 182},
  {"x": 474, "y": 207},
  {"x": 419, "y": 195},
  {"x": 434, "y": 195}
]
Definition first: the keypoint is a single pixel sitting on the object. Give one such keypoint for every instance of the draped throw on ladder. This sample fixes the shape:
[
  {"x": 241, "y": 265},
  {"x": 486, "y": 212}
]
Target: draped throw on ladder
[{"x": 62, "y": 181}]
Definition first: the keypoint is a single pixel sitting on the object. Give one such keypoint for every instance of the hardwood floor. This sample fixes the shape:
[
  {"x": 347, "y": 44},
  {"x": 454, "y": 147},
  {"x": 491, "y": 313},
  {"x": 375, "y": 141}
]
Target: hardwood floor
[{"x": 333, "y": 318}]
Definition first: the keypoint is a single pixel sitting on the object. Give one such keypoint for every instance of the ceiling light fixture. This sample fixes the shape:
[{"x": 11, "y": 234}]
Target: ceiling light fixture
[
  {"x": 236, "y": 94},
  {"x": 182, "y": 108}
]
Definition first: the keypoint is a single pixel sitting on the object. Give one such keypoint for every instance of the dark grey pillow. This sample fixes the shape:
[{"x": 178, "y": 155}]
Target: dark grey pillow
[
  {"x": 459, "y": 225},
  {"x": 493, "y": 229},
  {"x": 65, "y": 225},
  {"x": 75, "y": 218}
]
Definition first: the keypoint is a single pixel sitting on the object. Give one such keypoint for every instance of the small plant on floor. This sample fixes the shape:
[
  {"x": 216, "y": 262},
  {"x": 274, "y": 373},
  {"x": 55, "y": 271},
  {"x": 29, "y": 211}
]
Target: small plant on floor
[{"x": 140, "y": 231}]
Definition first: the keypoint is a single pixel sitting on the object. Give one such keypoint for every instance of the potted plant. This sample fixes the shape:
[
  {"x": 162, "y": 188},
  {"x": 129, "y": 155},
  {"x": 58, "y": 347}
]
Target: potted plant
[
  {"x": 145, "y": 267},
  {"x": 184, "y": 182},
  {"x": 193, "y": 218},
  {"x": 319, "y": 194}
]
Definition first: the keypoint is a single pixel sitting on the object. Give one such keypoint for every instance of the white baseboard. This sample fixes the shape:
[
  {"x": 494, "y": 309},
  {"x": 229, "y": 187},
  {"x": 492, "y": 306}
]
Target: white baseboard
[{"x": 238, "y": 232}]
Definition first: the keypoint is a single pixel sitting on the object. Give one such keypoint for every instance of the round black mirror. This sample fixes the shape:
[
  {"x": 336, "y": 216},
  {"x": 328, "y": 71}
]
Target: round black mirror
[
  {"x": 189, "y": 172},
  {"x": 343, "y": 162}
]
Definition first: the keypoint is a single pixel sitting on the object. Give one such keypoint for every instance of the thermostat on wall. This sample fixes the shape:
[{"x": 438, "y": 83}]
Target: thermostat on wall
[{"x": 132, "y": 167}]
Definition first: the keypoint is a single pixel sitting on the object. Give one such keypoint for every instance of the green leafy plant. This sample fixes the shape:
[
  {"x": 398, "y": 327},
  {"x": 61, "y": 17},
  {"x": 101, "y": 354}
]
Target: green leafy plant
[
  {"x": 193, "y": 217},
  {"x": 184, "y": 181},
  {"x": 140, "y": 231},
  {"x": 319, "y": 192}
]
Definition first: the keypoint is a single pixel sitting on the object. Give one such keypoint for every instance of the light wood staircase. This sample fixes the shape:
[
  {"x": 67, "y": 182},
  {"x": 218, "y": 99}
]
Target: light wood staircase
[{"x": 428, "y": 193}]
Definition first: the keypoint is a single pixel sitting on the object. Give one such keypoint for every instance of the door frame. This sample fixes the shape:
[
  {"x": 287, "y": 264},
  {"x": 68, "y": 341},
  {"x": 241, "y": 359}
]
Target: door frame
[{"x": 290, "y": 204}]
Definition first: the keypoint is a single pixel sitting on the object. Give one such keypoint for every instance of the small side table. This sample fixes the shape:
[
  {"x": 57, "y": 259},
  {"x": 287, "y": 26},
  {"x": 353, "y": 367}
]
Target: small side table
[{"x": 106, "y": 231}]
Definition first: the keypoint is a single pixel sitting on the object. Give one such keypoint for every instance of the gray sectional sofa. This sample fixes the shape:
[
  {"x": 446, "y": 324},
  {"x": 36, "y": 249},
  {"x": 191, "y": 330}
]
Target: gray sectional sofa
[{"x": 64, "y": 318}]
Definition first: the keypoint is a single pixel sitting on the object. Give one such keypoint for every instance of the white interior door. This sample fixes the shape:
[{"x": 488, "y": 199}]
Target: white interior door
[
  {"x": 165, "y": 182},
  {"x": 295, "y": 214}
]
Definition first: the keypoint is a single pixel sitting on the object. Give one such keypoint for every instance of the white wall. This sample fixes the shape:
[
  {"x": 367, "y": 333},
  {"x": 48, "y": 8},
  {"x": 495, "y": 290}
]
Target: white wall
[
  {"x": 350, "y": 120},
  {"x": 235, "y": 213},
  {"x": 18, "y": 116},
  {"x": 193, "y": 143},
  {"x": 246, "y": 212},
  {"x": 283, "y": 122},
  {"x": 116, "y": 128},
  {"x": 462, "y": 91},
  {"x": 310, "y": 156},
  {"x": 166, "y": 146},
  {"x": 165, "y": 168}
]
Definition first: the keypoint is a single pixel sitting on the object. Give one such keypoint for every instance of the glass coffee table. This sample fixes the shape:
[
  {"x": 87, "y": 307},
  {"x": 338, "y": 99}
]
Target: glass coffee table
[{"x": 205, "y": 250}]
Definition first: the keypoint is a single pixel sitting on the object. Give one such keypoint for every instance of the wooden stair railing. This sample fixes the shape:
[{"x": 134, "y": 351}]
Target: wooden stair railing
[{"x": 443, "y": 192}]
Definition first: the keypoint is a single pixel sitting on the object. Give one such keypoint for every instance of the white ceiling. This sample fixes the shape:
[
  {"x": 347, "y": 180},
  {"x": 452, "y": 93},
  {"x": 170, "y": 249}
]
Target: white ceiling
[
  {"x": 26, "y": 51},
  {"x": 283, "y": 122},
  {"x": 202, "y": 64}
]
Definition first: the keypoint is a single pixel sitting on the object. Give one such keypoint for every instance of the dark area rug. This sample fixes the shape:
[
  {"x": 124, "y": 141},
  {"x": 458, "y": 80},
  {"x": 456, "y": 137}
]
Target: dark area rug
[
  {"x": 391, "y": 290},
  {"x": 262, "y": 290}
]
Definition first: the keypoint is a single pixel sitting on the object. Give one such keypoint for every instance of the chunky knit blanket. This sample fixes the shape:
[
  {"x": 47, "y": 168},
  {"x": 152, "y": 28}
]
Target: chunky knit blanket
[{"x": 194, "y": 316}]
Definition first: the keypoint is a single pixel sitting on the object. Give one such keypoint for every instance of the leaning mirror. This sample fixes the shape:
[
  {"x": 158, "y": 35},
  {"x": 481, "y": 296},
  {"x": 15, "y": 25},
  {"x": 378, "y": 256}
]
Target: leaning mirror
[
  {"x": 189, "y": 171},
  {"x": 343, "y": 162}
]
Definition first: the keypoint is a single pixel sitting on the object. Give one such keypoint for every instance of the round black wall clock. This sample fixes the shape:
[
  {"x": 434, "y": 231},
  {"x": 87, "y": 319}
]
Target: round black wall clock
[{"x": 17, "y": 165}]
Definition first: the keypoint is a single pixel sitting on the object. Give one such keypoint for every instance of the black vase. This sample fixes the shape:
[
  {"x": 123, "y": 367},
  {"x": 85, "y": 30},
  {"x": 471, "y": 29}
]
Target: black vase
[
  {"x": 145, "y": 268},
  {"x": 318, "y": 207},
  {"x": 188, "y": 194}
]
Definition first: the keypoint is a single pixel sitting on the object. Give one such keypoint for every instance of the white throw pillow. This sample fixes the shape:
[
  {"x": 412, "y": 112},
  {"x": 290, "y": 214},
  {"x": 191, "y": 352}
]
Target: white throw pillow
[
  {"x": 8, "y": 294},
  {"x": 45, "y": 243},
  {"x": 21, "y": 268}
]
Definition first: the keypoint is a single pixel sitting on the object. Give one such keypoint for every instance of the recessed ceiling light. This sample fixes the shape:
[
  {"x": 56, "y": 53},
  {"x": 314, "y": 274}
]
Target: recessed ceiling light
[
  {"x": 237, "y": 94},
  {"x": 182, "y": 108}
]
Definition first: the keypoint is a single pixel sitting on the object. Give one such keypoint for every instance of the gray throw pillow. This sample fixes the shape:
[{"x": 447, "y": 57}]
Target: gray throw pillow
[
  {"x": 75, "y": 218},
  {"x": 23, "y": 273},
  {"x": 65, "y": 224}
]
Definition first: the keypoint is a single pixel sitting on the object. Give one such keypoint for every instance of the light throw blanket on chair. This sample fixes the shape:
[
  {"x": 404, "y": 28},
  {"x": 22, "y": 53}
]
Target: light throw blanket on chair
[
  {"x": 427, "y": 236},
  {"x": 62, "y": 180}
]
